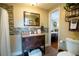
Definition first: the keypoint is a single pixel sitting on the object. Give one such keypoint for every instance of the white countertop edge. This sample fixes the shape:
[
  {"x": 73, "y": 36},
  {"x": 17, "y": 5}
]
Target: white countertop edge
[
  {"x": 33, "y": 35},
  {"x": 54, "y": 32}
]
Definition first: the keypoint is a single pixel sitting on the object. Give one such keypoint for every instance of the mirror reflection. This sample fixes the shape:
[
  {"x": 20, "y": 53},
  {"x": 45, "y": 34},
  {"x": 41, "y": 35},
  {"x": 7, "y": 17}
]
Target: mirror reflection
[{"x": 31, "y": 19}]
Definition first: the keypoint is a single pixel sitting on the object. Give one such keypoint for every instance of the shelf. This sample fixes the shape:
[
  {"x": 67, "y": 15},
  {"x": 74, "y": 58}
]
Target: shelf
[
  {"x": 72, "y": 9},
  {"x": 72, "y": 16},
  {"x": 71, "y": 6}
]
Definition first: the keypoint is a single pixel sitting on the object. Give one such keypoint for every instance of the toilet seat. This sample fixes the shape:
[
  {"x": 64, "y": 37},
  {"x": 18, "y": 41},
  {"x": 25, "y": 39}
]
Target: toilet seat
[{"x": 65, "y": 53}]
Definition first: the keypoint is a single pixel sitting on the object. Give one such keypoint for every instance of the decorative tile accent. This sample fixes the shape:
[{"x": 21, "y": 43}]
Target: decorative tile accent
[
  {"x": 10, "y": 15},
  {"x": 27, "y": 29}
]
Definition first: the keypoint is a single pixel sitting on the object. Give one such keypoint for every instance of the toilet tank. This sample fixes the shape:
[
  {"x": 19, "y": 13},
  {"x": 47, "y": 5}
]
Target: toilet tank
[{"x": 72, "y": 46}]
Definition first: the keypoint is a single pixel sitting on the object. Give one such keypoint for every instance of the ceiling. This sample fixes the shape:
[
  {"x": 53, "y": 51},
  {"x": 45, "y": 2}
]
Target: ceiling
[{"x": 46, "y": 6}]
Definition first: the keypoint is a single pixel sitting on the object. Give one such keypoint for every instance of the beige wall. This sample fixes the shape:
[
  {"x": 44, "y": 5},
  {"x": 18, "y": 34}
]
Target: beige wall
[
  {"x": 18, "y": 22},
  {"x": 18, "y": 14},
  {"x": 64, "y": 26}
]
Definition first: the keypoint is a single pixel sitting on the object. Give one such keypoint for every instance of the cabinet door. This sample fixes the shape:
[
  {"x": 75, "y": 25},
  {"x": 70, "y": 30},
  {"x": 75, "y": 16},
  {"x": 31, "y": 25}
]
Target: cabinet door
[
  {"x": 33, "y": 42},
  {"x": 26, "y": 42},
  {"x": 38, "y": 41}
]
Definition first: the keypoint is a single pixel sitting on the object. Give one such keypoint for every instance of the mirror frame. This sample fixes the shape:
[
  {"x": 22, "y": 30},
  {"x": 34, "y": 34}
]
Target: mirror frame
[{"x": 31, "y": 13}]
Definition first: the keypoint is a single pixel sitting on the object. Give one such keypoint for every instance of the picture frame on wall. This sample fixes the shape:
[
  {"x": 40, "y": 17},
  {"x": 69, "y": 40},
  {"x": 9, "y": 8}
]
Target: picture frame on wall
[{"x": 73, "y": 25}]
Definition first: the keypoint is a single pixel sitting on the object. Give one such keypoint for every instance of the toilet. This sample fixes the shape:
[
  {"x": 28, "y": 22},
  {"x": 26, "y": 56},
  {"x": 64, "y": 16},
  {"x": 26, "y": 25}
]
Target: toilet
[{"x": 72, "y": 47}]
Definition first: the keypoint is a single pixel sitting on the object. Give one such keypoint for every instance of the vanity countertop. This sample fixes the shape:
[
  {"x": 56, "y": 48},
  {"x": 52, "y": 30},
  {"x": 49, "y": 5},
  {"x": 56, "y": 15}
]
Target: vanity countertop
[
  {"x": 33, "y": 35},
  {"x": 53, "y": 32}
]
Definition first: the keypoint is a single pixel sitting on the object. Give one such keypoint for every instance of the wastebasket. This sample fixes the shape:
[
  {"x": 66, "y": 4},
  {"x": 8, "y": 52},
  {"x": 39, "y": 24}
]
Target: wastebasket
[{"x": 35, "y": 52}]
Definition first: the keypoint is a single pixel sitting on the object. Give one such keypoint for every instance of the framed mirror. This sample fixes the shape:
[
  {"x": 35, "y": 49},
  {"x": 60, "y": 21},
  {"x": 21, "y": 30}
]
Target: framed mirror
[{"x": 31, "y": 19}]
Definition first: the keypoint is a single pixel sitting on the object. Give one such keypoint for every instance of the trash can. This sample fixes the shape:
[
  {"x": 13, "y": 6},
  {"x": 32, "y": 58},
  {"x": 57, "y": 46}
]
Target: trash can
[{"x": 35, "y": 52}]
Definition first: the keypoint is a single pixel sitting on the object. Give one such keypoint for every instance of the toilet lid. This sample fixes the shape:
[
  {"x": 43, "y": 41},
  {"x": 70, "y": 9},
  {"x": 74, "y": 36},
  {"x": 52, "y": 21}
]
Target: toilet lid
[{"x": 65, "y": 53}]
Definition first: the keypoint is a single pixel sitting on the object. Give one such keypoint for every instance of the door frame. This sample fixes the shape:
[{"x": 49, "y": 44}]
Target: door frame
[{"x": 49, "y": 41}]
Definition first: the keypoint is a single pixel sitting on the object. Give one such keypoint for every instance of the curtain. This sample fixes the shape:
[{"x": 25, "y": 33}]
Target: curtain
[{"x": 4, "y": 33}]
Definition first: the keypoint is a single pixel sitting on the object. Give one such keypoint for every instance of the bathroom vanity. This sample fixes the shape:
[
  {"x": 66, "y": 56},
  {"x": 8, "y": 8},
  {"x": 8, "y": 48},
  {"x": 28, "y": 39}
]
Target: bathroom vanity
[{"x": 33, "y": 41}]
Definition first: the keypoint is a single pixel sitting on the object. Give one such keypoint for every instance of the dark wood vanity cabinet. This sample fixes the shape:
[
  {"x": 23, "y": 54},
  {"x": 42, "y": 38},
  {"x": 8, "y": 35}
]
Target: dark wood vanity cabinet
[{"x": 33, "y": 42}]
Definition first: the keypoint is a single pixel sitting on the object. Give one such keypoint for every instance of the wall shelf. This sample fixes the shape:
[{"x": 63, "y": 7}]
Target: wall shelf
[
  {"x": 72, "y": 11},
  {"x": 71, "y": 6},
  {"x": 72, "y": 15}
]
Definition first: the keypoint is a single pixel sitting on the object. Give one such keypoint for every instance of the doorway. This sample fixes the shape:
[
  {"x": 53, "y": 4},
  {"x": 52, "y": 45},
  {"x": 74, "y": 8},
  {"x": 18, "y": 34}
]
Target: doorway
[{"x": 54, "y": 17}]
